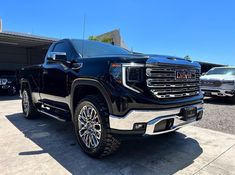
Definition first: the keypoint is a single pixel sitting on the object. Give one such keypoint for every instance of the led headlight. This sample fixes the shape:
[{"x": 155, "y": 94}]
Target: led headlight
[
  {"x": 134, "y": 74},
  {"x": 4, "y": 81},
  {"x": 128, "y": 74}
]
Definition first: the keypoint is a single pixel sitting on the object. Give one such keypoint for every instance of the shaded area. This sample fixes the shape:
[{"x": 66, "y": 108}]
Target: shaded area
[
  {"x": 4, "y": 97},
  {"x": 165, "y": 154},
  {"x": 205, "y": 67},
  {"x": 219, "y": 100},
  {"x": 218, "y": 115}
]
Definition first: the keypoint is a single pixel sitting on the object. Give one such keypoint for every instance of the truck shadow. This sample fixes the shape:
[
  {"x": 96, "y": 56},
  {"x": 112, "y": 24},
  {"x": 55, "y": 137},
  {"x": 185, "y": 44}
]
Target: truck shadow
[
  {"x": 7, "y": 98},
  {"x": 165, "y": 154},
  {"x": 218, "y": 101}
]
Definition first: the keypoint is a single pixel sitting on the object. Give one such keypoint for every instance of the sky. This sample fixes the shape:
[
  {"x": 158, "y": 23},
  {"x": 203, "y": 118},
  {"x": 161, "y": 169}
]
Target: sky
[{"x": 202, "y": 29}]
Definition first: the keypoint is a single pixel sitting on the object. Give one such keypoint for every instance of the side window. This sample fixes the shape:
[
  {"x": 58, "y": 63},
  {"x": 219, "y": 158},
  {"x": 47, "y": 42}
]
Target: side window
[{"x": 64, "y": 47}]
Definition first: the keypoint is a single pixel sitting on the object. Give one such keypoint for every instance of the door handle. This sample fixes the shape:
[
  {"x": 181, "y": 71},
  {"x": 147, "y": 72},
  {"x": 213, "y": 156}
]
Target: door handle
[
  {"x": 45, "y": 72},
  {"x": 77, "y": 66}
]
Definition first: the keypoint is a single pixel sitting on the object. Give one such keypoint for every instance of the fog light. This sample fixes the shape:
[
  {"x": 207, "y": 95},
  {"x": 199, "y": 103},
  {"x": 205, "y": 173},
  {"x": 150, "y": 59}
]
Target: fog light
[
  {"x": 5, "y": 86},
  {"x": 139, "y": 126},
  {"x": 199, "y": 116}
]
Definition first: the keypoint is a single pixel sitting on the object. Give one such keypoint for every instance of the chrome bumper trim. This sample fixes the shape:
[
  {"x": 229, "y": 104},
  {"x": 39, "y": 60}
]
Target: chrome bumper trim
[
  {"x": 221, "y": 93},
  {"x": 151, "y": 118}
]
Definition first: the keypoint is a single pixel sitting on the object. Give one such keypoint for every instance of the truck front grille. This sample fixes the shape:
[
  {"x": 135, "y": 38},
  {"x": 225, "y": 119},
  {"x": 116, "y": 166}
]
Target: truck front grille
[
  {"x": 173, "y": 81},
  {"x": 211, "y": 83}
]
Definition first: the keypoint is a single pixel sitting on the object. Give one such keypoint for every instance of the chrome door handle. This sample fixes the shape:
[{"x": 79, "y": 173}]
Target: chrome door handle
[
  {"x": 77, "y": 66},
  {"x": 45, "y": 72}
]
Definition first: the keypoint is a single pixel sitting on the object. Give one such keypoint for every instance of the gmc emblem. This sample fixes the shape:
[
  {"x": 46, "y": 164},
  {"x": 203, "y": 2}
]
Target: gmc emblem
[{"x": 185, "y": 75}]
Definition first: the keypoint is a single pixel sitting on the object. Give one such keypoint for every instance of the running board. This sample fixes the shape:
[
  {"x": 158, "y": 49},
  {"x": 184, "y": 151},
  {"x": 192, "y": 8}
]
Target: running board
[{"x": 51, "y": 115}]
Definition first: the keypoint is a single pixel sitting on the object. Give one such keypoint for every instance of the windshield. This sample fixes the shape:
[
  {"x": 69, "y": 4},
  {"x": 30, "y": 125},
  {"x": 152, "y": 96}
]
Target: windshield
[
  {"x": 88, "y": 48},
  {"x": 221, "y": 71}
]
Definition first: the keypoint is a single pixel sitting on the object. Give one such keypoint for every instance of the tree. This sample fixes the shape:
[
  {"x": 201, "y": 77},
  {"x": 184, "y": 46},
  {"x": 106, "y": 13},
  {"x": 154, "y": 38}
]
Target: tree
[
  {"x": 105, "y": 39},
  {"x": 93, "y": 38}
]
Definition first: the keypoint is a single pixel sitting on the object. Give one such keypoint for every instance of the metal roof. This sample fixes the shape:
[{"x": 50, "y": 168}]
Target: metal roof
[
  {"x": 211, "y": 64},
  {"x": 24, "y": 40}
]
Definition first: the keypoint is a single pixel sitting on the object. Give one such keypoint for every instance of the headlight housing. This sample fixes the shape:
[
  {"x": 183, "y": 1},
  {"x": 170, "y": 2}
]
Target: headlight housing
[
  {"x": 128, "y": 74},
  {"x": 134, "y": 74},
  {"x": 3, "y": 81}
]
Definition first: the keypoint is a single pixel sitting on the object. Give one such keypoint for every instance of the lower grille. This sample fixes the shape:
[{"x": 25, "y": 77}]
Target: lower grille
[{"x": 173, "y": 81}]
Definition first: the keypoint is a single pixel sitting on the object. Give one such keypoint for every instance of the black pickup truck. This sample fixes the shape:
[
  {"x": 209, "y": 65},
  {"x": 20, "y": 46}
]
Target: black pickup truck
[{"x": 107, "y": 91}]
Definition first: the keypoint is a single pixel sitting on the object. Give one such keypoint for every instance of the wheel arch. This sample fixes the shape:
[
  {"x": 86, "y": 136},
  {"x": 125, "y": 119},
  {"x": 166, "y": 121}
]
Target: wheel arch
[
  {"x": 82, "y": 87},
  {"x": 23, "y": 84}
]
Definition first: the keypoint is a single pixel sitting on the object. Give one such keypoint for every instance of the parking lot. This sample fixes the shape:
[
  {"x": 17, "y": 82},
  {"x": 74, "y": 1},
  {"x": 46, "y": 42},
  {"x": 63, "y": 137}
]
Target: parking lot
[
  {"x": 47, "y": 146},
  {"x": 219, "y": 115}
]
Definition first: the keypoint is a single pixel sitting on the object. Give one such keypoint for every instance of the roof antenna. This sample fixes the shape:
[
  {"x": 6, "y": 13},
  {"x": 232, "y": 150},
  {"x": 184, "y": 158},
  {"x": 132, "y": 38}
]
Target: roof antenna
[
  {"x": 83, "y": 35},
  {"x": 0, "y": 24}
]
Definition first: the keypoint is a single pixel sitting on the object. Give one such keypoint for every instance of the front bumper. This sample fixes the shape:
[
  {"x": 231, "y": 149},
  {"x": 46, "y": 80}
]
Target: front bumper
[
  {"x": 218, "y": 92},
  {"x": 4, "y": 87},
  {"x": 167, "y": 120}
]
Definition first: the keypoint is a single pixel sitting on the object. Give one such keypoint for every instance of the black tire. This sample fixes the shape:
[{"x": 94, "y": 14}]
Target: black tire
[
  {"x": 107, "y": 143},
  {"x": 31, "y": 111},
  {"x": 233, "y": 99}
]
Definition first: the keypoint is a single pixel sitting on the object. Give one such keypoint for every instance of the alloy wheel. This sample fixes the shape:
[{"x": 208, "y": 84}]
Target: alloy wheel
[
  {"x": 25, "y": 102},
  {"x": 89, "y": 126}
]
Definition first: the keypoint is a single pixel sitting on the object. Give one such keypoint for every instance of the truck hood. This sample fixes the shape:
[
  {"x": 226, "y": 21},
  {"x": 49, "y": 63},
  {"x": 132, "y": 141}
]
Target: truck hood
[
  {"x": 150, "y": 60},
  {"x": 159, "y": 59},
  {"x": 218, "y": 77}
]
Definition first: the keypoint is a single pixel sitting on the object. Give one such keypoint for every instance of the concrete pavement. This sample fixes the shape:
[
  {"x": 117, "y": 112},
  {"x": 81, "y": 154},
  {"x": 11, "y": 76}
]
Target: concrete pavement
[{"x": 47, "y": 146}]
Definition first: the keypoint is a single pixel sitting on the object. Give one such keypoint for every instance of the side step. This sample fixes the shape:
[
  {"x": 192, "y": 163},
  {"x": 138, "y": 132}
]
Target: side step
[
  {"x": 54, "y": 112},
  {"x": 51, "y": 115}
]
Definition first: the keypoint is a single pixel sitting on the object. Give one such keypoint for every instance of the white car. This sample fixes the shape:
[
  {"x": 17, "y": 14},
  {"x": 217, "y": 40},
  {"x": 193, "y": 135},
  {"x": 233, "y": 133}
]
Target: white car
[{"x": 219, "y": 81}]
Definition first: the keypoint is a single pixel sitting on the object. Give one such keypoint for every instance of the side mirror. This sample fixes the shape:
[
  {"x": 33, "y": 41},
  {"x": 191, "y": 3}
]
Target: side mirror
[{"x": 57, "y": 56}]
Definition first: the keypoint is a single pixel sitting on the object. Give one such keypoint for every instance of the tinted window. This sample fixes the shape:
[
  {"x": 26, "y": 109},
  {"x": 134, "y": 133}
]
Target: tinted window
[
  {"x": 89, "y": 48},
  {"x": 64, "y": 47}
]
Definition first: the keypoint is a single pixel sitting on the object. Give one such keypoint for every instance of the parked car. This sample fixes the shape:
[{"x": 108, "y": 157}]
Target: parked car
[
  {"x": 219, "y": 81},
  {"x": 8, "y": 83},
  {"x": 108, "y": 91}
]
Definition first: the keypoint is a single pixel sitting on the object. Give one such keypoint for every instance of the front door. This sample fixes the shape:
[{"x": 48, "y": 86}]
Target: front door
[{"x": 55, "y": 78}]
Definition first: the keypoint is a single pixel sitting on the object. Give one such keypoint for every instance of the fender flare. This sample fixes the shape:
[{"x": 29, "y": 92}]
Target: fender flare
[
  {"x": 22, "y": 80},
  {"x": 90, "y": 82}
]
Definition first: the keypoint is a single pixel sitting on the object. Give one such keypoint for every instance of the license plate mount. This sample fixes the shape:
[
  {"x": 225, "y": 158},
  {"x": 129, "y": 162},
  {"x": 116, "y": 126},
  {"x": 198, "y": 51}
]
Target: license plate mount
[{"x": 189, "y": 113}]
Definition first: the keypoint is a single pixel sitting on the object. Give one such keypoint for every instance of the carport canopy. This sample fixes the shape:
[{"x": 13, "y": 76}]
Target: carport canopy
[
  {"x": 18, "y": 50},
  {"x": 207, "y": 66}
]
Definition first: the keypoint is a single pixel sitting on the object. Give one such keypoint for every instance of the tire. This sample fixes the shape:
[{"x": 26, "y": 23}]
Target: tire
[
  {"x": 92, "y": 130},
  {"x": 233, "y": 99},
  {"x": 28, "y": 107}
]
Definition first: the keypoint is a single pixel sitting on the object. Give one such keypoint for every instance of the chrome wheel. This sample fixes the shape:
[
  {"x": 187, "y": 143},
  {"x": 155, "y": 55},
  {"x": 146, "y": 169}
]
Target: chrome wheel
[
  {"x": 89, "y": 126},
  {"x": 25, "y": 102}
]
